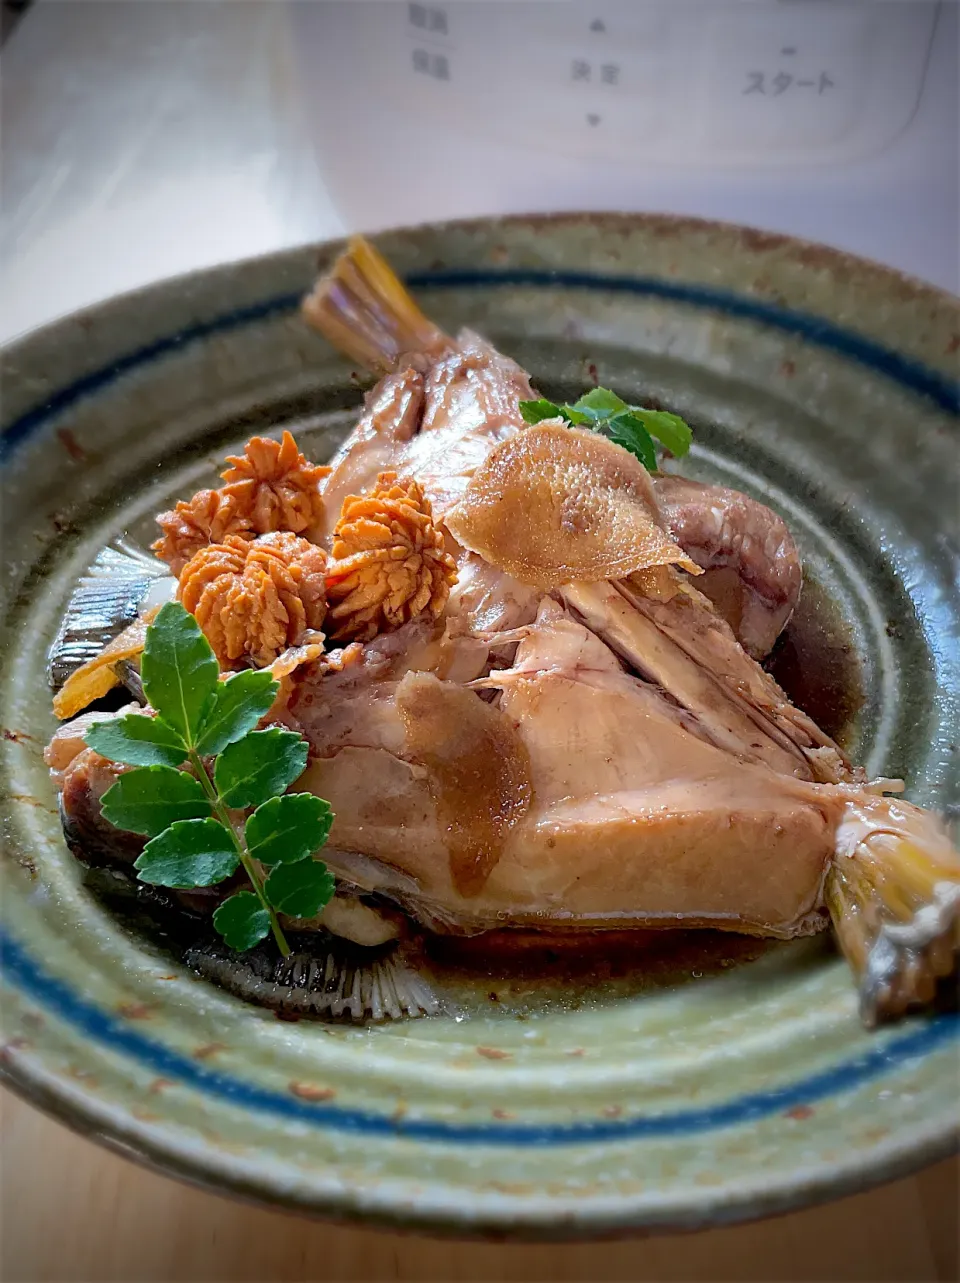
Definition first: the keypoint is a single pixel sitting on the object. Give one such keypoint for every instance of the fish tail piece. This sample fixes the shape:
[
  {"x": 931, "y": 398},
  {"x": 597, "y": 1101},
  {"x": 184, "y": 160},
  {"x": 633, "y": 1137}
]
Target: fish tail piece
[
  {"x": 893, "y": 892},
  {"x": 363, "y": 309}
]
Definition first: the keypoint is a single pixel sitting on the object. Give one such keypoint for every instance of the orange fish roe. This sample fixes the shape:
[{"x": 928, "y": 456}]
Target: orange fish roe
[
  {"x": 256, "y": 598},
  {"x": 275, "y": 487},
  {"x": 271, "y": 486},
  {"x": 389, "y": 562},
  {"x": 209, "y": 517}
]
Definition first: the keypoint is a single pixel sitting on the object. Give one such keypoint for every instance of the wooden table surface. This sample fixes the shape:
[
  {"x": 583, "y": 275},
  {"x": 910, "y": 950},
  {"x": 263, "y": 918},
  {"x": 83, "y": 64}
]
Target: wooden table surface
[{"x": 72, "y": 1211}]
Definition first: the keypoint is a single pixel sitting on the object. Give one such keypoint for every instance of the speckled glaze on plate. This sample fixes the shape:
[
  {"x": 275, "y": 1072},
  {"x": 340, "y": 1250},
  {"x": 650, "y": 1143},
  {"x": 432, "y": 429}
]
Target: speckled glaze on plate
[{"x": 823, "y": 384}]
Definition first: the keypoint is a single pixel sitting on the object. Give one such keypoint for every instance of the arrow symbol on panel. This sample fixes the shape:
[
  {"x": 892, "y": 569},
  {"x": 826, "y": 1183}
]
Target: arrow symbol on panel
[
  {"x": 592, "y": 119},
  {"x": 597, "y": 25}
]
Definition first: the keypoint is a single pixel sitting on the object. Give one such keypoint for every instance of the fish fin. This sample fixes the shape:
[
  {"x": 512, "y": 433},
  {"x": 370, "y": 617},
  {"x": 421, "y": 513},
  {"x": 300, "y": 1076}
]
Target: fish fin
[
  {"x": 362, "y": 308},
  {"x": 893, "y": 892},
  {"x": 332, "y": 978}
]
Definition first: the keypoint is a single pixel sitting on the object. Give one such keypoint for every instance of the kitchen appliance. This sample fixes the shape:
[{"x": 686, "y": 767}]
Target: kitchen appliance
[
  {"x": 147, "y": 140},
  {"x": 831, "y": 119}
]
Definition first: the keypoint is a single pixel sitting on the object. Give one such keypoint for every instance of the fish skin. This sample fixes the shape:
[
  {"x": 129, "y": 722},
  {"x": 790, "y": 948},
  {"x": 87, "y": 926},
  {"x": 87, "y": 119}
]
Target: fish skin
[
  {"x": 391, "y": 417},
  {"x": 721, "y": 529}
]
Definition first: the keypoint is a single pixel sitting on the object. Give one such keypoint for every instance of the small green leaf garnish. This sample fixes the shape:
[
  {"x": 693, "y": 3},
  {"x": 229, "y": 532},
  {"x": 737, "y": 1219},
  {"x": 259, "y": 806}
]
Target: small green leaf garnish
[
  {"x": 242, "y": 920},
  {"x": 152, "y": 798},
  {"x": 627, "y": 430},
  {"x": 670, "y": 430},
  {"x": 190, "y": 853},
  {"x": 631, "y": 426},
  {"x": 194, "y": 838},
  {"x": 137, "y": 740},
  {"x": 178, "y": 670},
  {"x": 239, "y": 704},
  {"x": 286, "y": 829},
  {"x": 595, "y": 406},
  {"x": 537, "y": 411},
  {"x": 259, "y": 766},
  {"x": 300, "y": 890}
]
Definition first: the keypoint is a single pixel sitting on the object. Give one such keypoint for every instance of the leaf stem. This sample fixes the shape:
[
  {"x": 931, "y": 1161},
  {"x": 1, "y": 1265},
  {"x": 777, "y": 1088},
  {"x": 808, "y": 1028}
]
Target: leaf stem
[{"x": 223, "y": 815}]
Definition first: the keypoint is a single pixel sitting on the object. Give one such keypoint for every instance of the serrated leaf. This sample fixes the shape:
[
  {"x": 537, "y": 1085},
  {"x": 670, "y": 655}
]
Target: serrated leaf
[
  {"x": 626, "y": 430},
  {"x": 242, "y": 920},
  {"x": 300, "y": 890},
  {"x": 596, "y": 406},
  {"x": 190, "y": 853},
  {"x": 261, "y": 765},
  {"x": 137, "y": 740},
  {"x": 536, "y": 411},
  {"x": 289, "y": 828},
  {"x": 670, "y": 430},
  {"x": 152, "y": 798},
  {"x": 178, "y": 670},
  {"x": 574, "y": 418},
  {"x": 237, "y": 707},
  {"x": 630, "y": 426}
]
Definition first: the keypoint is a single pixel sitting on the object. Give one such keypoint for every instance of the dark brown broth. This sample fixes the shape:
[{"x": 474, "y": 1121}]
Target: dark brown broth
[
  {"x": 815, "y": 662},
  {"x": 518, "y": 973}
]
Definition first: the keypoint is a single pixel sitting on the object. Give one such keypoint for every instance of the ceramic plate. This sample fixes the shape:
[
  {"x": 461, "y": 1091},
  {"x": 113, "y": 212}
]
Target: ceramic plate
[{"x": 709, "y": 1085}]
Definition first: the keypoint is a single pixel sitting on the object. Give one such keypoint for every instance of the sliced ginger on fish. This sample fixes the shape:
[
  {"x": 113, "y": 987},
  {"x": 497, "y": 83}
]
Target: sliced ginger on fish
[
  {"x": 479, "y": 771},
  {"x": 97, "y": 677},
  {"x": 554, "y": 505}
]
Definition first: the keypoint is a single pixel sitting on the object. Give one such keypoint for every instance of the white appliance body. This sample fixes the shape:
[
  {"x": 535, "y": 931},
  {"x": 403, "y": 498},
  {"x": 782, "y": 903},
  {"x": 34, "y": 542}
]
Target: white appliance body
[{"x": 831, "y": 119}]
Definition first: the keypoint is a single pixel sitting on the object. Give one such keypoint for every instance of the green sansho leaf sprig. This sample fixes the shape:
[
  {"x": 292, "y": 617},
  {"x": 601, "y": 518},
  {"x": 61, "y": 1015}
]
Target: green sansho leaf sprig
[
  {"x": 209, "y": 726},
  {"x": 631, "y": 426}
]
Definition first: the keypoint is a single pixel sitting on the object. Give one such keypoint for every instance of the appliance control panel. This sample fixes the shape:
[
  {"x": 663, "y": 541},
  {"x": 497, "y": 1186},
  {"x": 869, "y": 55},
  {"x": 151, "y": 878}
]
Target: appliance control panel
[{"x": 738, "y": 83}]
